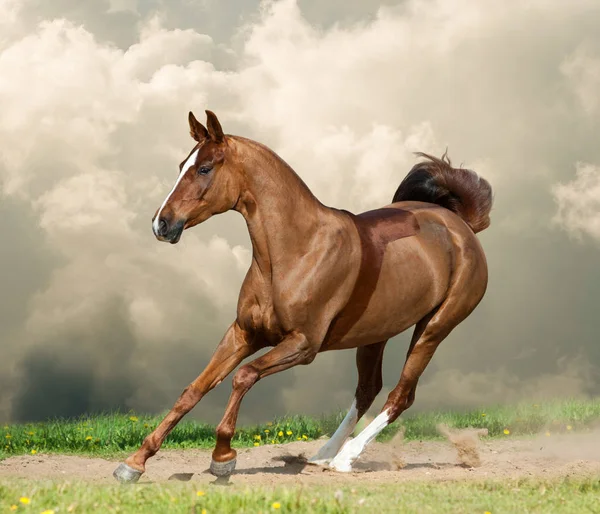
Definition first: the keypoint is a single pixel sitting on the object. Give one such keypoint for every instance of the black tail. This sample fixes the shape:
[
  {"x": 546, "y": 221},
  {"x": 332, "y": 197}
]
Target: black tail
[{"x": 459, "y": 190}]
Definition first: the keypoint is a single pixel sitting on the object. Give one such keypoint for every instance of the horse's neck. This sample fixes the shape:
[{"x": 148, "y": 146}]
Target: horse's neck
[{"x": 281, "y": 212}]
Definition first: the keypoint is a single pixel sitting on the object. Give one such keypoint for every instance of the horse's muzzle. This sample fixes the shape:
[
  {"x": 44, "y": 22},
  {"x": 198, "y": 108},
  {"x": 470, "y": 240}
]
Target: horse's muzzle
[{"x": 167, "y": 231}]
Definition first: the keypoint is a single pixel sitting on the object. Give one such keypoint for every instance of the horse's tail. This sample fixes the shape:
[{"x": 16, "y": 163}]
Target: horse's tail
[{"x": 460, "y": 190}]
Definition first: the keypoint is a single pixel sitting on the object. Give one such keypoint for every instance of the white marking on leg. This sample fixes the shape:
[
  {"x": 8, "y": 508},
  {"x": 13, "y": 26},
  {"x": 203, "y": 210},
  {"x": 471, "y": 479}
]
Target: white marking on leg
[
  {"x": 188, "y": 164},
  {"x": 330, "y": 449},
  {"x": 352, "y": 449}
]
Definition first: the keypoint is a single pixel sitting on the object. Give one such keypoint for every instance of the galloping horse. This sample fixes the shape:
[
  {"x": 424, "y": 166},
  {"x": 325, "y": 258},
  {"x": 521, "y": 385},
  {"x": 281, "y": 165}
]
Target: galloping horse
[{"x": 326, "y": 279}]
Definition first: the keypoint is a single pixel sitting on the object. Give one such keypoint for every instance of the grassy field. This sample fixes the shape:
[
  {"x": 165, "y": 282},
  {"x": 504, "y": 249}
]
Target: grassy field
[
  {"x": 112, "y": 434},
  {"x": 524, "y": 496},
  {"x": 115, "y": 434}
]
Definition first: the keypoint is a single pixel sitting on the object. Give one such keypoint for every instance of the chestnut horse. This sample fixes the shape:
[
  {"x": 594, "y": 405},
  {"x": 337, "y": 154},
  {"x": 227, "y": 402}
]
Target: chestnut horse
[{"x": 326, "y": 279}]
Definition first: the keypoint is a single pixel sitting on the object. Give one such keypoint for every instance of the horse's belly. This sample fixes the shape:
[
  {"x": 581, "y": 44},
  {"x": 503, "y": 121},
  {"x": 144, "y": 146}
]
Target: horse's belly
[{"x": 413, "y": 279}]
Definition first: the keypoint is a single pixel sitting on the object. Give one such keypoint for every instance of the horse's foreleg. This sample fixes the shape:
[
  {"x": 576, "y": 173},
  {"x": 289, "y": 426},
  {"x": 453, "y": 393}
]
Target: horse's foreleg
[
  {"x": 293, "y": 350},
  {"x": 368, "y": 362},
  {"x": 428, "y": 334},
  {"x": 232, "y": 349}
]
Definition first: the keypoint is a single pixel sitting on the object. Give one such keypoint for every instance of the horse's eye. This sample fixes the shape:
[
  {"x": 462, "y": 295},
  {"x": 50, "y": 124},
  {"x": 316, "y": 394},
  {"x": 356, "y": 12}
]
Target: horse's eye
[{"x": 203, "y": 170}]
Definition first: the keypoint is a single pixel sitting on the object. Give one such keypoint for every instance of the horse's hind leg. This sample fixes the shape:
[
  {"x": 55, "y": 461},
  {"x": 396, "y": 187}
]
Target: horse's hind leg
[
  {"x": 429, "y": 333},
  {"x": 368, "y": 362}
]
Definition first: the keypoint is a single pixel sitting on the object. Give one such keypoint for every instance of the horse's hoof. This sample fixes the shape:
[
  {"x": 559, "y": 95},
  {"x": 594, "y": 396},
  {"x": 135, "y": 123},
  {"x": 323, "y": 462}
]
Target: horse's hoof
[
  {"x": 126, "y": 474},
  {"x": 222, "y": 469}
]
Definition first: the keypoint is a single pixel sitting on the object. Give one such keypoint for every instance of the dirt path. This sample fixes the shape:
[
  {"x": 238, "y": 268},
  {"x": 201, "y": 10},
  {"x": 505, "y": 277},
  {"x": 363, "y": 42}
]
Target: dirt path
[{"x": 541, "y": 457}]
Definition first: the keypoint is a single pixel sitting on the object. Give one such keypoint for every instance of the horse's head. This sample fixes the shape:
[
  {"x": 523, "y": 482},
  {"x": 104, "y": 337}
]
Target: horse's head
[{"x": 206, "y": 184}]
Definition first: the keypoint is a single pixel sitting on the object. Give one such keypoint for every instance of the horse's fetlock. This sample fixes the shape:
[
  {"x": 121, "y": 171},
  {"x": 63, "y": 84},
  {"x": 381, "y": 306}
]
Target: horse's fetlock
[{"x": 225, "y": 431}]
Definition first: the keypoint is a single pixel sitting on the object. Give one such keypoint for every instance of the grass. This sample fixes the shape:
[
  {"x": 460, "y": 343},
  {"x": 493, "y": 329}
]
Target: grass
[
  {"x": 112, "y": 434},
  {"x": 118, "y": 433},
  {"x": 519, "y": 496}
]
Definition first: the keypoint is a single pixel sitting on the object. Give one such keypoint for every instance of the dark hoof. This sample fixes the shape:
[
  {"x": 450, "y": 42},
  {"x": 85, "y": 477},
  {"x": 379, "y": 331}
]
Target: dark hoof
[
  {"x": 126, "y": 474},
  {"x": 222, "y": 469}
]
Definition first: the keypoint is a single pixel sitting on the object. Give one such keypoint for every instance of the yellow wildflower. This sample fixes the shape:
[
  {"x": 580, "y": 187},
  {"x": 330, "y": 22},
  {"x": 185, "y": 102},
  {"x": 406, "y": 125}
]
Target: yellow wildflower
[
  {"x": 49, "y": 511},
  {"x": 298, "y": 439},
  {"x": 547, "y": 434},
  {"x": 305, "y": 437},
  {"x": 269, "y": 424},
  {"x": 133, "y": 418},
  {"x": 33, "y": 452},
  {"x": 200, "y": 493},
  {"x": 289, "y": 432},
  {"x": 569, "y": 427},
  {"x": 276, "y": 505},
  {"x": 506, "y": 431},
  {"x": 280, "y": 434},
  {"x": 267, "y": 431},
  {"x": 89, "y": 438},
  {"x": 257, "y": 437},
  {"x": 13, "y": 507},
  {"x": 8, "y": 436},
  {"x": 483, "y": 414},
  {"x": 256, "y": 444},
  {"x": 24, "y": 500},
  {"x": 203, "y": 511},
  {"x": 29, "y": 433}
]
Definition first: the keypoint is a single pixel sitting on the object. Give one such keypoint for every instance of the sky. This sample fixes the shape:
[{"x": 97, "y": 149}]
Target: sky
[{"x": 95, "y": 314}]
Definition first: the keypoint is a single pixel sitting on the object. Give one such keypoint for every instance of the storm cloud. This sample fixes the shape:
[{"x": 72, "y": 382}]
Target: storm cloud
[{"x": 94, "y": 96}]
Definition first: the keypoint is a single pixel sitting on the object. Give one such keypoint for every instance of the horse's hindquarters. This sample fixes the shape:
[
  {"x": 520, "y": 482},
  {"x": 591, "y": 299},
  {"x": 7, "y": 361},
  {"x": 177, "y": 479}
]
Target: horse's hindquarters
[{"x": 411, "y": 280}]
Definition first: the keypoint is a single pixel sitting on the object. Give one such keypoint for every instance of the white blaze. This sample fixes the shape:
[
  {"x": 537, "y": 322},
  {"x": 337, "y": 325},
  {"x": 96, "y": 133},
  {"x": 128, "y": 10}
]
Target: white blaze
[
  {"x": 352, "y": 449},
  {"x": 330, "y": 449},
  {"x": 187, "y": 165}
]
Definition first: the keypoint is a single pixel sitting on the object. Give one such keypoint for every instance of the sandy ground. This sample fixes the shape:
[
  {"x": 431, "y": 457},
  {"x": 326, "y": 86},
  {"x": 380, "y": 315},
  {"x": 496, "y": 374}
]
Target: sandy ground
[{"x": 556, "y": 456}]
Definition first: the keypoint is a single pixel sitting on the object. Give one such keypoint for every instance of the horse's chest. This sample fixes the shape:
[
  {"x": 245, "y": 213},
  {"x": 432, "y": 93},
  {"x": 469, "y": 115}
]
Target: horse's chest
[{"x": 259, "y": 318}]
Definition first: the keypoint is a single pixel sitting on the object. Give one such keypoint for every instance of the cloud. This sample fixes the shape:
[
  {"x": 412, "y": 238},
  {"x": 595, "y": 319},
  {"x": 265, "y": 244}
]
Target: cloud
[
  {"x": 582, "y": 70},
  {"x": 122, "y": 5},
  {"x": 572, "y": 377},
  {"x": 94, "y": 100},
  {"x": 579, "y": 202}
]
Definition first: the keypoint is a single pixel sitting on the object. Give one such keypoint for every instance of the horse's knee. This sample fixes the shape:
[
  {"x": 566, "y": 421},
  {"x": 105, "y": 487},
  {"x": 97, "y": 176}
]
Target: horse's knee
[{"x": 245, "y": 378}]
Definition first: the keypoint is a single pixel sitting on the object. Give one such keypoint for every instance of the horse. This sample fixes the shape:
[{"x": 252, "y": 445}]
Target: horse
[{"x": 324, "y": 279}]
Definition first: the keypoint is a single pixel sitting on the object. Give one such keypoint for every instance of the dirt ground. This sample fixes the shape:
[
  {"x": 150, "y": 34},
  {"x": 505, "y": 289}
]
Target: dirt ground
[{"x": 572, "y": 454}]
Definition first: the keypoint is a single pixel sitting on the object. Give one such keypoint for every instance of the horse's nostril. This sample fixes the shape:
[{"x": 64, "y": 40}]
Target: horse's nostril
[{"x": 163, "y": 228}]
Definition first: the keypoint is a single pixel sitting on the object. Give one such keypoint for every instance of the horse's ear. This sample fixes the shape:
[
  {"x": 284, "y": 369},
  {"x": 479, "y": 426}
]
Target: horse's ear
[
  {"x": 214, "y": 127},
  {"x": 197, "y": 130}
]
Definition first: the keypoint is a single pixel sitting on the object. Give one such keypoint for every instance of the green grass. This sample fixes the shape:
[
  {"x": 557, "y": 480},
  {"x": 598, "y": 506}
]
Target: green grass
[
  {"x": 508, "y": 496},
  {"x": 117, "y": 433}
]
